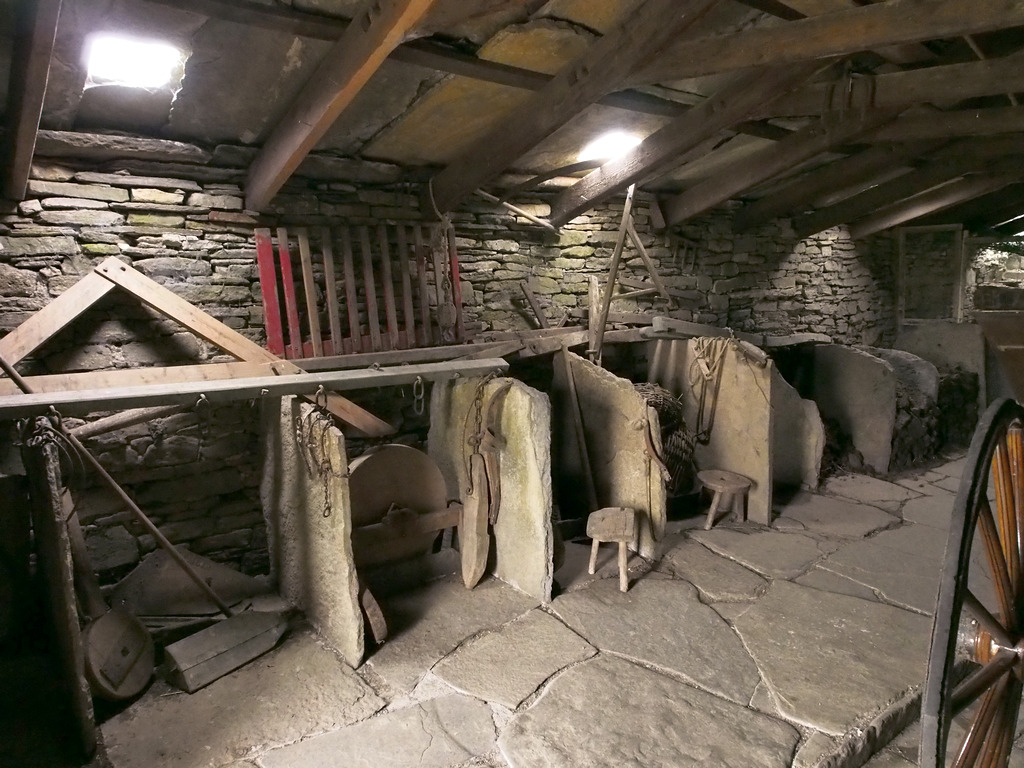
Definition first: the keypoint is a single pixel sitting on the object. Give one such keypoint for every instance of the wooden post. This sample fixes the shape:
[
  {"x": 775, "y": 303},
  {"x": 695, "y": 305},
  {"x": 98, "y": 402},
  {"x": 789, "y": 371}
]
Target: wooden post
[{"x": 613, "y": 271}]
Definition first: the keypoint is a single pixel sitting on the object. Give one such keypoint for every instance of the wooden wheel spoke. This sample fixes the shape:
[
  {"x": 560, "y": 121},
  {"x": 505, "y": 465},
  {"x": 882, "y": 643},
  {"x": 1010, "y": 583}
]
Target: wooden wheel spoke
[
  {"x": 1003, "y": 479},
  {"x": 1015, "y": 450},
  {"x": 988, "y": 622},
  {"x": 997, "y": 562},
  {"x": 982, "y": 680},
  {"x": 977, "y": 734}
]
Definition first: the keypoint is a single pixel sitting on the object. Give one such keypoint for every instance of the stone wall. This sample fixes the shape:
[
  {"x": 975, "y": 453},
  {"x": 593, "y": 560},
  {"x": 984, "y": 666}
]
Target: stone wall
[
  {"x": 931, "y": 274},
  {"x": 197, "y": 472}
]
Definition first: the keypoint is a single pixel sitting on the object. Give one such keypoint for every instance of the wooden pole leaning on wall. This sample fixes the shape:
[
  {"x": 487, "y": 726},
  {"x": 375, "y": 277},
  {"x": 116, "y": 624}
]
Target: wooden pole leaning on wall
[{"x": 613, "y": 271}]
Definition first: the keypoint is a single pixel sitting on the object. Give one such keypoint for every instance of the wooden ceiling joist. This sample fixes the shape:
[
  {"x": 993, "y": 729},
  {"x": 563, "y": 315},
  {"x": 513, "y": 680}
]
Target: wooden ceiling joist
[
  {"x": 982, "y": 212},
  {"x": 601, "y": 69},
  {"x": 770, "y": 162},
  {"x": 840, "y": 33},
  {"x": 964, "y": 122},
  {"x": 933, "y": 200},
  {"x": 938, "y": 85},
  {"x": 36, "y": 30},
  {"x": 731, "y": 105},
  {"x": 366, "y": 43},
  {"x": 849, "y": 171}
]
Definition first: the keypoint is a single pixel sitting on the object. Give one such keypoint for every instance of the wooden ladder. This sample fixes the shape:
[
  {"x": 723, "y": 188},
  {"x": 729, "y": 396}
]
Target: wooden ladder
[{"x": 404, "y": 291}]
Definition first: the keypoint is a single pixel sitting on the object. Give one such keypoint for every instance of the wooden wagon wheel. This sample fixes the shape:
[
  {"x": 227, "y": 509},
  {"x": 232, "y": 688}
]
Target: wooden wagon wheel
[{"x": 979, "y": 615}]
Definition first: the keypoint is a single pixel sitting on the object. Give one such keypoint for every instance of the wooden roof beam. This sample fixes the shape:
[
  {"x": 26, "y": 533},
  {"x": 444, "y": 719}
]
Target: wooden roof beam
[
  {"x": 36, "y": 30},
  {"x": 723, "y": 110},
  {"x": 376, "y": 31},
  {"x": 840, "y": 33},
  {"x": 601, "y": 69},
  {"x": 935, "y": 124},
  {"x": 946, "y": 84},
  {"x": 769, "y": 162},
  {"x": 930, "y": 201}
]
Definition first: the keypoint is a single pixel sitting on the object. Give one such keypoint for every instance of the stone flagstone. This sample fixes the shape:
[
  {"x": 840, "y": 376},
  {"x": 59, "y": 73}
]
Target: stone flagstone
[
  {"x": 509, "y": 664},
  {"x": 834, "y": 517},
  {"x": 717, "y": 578},
  {"x": 869, "y": 490},
  {"x": 427, "y": 624},
  {"x": 823, "y": 579},
  {"x": 663, "y": 623},
  {"x": 829, "y": 659},
  {"x": 771, "y": 553},
  {"x": 441, "y": 732},
  {"x": 934, "y": 510},
  {"x": 297, "y": 690},
  {"x": 610, "y": 713}
]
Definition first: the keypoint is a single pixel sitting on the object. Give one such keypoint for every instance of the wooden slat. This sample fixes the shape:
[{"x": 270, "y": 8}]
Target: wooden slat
[
  {"x": 602, "y": 68},
  {"x": 770, "y": 161},
  {"x": 291, "y": 304},
  {"x": 30, "y": 68},
  {"x": 390, "y": 311},
  {"x": 437, "y": 259},
  {"x": 309, "y": 287},
  {"x": 138, "y": 377},
  {"x": 379, "y": 28},
  {"x": 730, "y": 105},
  {"x": 370, "y": 287},
  {"x": 839, "y": 33},
  {"x": 55, "y": 316},
  {"x": 427, "y": 335},
  {"x": 351, "y": 295},
  {"x": 268, "y": 288},
  {"x": 453, "y": 267},
  {"x": 331, "y": 288},
  {"x": 408, "y": 311}
]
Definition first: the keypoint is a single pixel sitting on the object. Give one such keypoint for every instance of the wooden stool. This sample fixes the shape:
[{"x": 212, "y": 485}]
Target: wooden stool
[
  {"x": 612, "y": 524},
  {"x": 729, "y": 488}
]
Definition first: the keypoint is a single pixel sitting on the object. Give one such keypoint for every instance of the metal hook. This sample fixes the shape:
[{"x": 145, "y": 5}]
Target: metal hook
[{"x": 320, "y": 398}]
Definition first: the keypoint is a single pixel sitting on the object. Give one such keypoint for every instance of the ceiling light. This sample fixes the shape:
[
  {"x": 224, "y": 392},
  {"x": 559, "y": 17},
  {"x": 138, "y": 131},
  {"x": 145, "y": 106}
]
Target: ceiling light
[
  {"x": 609, "y": 145},
  {"x": 135, "y": 63}
]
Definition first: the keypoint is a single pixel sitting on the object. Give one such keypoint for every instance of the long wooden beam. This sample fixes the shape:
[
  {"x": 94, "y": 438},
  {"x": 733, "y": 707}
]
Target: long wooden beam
[
  {"x": 846, "y": 172},
  {"x": 602, "y": 68},
  {"x": 946, "y": 84},
  {"x": 227, "y": 390},
  {"x": 36, "y": 30},
  {"x": 937, "y": 199},
  {"x": 380, "y": 27},
  {"x": 835, "y": 34},
  {"x": 730, "y": 105},
  {"x": 963, "y": 122},
  {"x": 982, "y": 212},
  {"x": 770, "y": 161}
]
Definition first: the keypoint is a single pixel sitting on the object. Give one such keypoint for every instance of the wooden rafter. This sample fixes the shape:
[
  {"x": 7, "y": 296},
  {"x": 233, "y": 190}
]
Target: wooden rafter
[
  {"x": 30, "y": 69},
  {"x": 963, "y": 122},
  {"x": 379, "y": 28},
  {"x": 982, "y": 212},
  {"x": 771, "y": 161},
  {"x": 930, "y": 201},
  {"x": 732, "y": 104},
  {"x": 840, "y": 33},
  {"x": 945, "y": 84},
  {"x": 602, "y": 68}
]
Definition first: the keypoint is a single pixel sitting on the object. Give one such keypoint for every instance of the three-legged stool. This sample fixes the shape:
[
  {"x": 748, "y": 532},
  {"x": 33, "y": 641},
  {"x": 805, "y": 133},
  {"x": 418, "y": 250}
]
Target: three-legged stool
[
  {"x": 612, "y": 524},
  {"x": 729, "y": 488}
]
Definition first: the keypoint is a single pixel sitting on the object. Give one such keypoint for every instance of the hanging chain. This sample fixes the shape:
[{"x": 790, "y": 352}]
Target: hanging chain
[
  {"x": 313, "y": 435},
  {"x": 418, "y": 389},
  {"x": 476, "y": 413},
  {"x": 705, "y": 379}
]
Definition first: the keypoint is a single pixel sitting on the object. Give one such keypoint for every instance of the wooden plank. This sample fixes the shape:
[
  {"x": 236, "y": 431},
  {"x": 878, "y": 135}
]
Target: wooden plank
[
  {"x": 427, "y": 335},
  {"x": 138, "y": 377},
  {"x": 291, "y": 304},
  {"x": 531, "y": 299},
  {"x": 728, "y": 106},
  {"x": 309, "y": 287},
  {"x": 408, "y": 312},
  {"x": 437, "y": 262},
  {"x": 54, "y": 317},
  {"x": 770, "y": 161},
  {"x": 378, "y": 29},
  {"x": 230, "y": 390},
  {"x": 453, "y": 271},
  {"x": 30, "y": 69},
  {"x": 942, "y": 125},
  {"x": 390, "y": 311},
  {"x": 351, "y": 295},
  {"x": 602, "y": 68},
  {"x": 268, "y": 289},
  {"x": 331, "y": 288},
  {"x": 930, "y": 201},
  {"x": 370, "y": 287},
  {"x": 840, "y": 33},
  {"x": 397, "y": 357}
]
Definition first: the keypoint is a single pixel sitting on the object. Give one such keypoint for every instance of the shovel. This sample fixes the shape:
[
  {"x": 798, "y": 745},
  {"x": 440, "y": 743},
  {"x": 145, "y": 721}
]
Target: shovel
[{"x": 213, "y": 652}]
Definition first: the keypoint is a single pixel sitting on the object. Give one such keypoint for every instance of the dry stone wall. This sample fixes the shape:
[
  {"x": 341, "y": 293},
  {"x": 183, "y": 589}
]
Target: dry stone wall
[{"x": 197, "y": 472}]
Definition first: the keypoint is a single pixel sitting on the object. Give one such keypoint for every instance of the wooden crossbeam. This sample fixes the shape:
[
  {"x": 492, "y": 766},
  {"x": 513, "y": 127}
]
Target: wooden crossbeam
[
  {"x": 730, "y": 105},
  {"x": 930, "y": 201},
  {"x": 840, "y": 33},
  {"x": 981, "y": 212},
  {"x": 964, "y": 122},
  {"x": 36, "y": 30},
  {"x": 602, "y": 68},
  {"x": 770, "y": 161},
  {"x": 946, "y": 84},
  {"x": 378, "y": 29}
]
